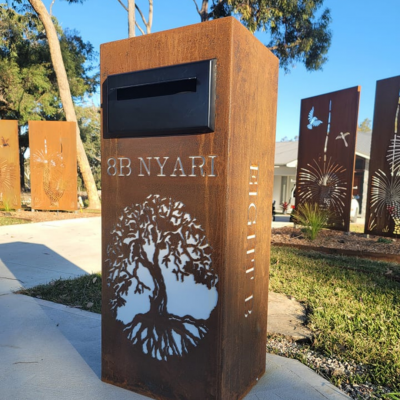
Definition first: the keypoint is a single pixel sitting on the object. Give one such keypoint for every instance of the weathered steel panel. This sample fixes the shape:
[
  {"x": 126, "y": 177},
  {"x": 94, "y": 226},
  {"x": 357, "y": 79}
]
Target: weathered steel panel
[
  {"x": 383, "y": 203},
  {"x": 53, "y": 165},
  {"x": 326, "y": 158},
  {"x": 10, "y": 186},
  {"x": 186, "y": 224}
]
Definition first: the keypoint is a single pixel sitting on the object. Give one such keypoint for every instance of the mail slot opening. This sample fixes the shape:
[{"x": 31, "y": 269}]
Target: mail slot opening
[{"x": 157, "y": 89}]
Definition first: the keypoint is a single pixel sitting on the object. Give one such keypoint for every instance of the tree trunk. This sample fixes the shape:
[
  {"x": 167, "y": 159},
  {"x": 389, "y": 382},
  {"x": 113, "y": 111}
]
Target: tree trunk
[
  {"x": 131, "y": 18},
  {"x": 150, "y": 21},
  {"x": 66, "y": 99}
]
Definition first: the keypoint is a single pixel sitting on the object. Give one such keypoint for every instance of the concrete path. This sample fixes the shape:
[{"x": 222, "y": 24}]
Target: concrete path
[{"x": 49, "y": 351}]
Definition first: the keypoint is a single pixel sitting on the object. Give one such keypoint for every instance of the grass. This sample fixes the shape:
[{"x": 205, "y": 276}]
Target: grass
[
  {"x": 12, "y": 221},
  {"x": 354, "y": 308},
  {"x": 312, "y": 218},
  {"x": 83, "y": 292}
]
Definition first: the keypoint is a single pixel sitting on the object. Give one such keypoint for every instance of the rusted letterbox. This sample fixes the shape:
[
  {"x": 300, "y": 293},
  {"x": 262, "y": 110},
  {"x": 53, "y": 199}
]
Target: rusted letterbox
[{"x": 187, "y": 151}]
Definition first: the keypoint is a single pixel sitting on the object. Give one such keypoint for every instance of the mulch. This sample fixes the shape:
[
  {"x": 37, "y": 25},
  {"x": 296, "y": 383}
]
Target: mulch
[{"x": 338, "y": 242}]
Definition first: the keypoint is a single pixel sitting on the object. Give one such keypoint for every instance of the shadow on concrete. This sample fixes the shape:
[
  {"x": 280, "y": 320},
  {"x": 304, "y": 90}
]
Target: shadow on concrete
[{"x": 26, "y": 265}]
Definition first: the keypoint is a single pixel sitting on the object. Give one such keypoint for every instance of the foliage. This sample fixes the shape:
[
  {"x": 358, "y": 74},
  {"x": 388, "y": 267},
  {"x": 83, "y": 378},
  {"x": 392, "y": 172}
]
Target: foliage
[
  {"x": 312, "y": 217},
  {"x": 89, "y": 125},
  {"x": 392, "y": 396},
  {"x": 384, "y": 240},
  {"x": 354, "y": 308},
  {"x": 365, "y": 126},
  {"x": 298, "y": 30},
  {"x": 82, "y": 292},
  {"x": 28, "y": 85},
  {"x": 287, "y": 139}
]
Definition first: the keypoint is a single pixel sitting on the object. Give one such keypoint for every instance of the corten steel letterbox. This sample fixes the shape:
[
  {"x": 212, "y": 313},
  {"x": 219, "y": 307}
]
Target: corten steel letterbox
[{"x": 187, "y": 151}]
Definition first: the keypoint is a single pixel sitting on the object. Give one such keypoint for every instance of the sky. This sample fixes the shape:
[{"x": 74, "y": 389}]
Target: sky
[{"x": 365, "y": 47}]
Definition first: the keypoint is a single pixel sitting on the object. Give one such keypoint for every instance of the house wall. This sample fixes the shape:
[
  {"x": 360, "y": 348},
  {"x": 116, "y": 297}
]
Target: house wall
[
  {"x": 365, "y": 190},
  {"x": 284, "y": 181}
]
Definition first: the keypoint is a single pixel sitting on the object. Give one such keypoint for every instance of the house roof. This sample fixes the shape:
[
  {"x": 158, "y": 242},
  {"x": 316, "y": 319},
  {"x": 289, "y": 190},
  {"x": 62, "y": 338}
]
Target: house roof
[{"x": 286, "y": 152}]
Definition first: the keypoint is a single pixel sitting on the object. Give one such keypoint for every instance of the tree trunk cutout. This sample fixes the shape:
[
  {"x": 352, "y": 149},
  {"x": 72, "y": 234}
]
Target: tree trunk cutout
[{"x": 160, "y": 271}]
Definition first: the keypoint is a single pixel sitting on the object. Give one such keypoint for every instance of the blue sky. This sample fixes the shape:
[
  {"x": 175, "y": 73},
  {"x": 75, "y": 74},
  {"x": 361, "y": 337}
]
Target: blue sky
[{"x": 365, "y": 46}]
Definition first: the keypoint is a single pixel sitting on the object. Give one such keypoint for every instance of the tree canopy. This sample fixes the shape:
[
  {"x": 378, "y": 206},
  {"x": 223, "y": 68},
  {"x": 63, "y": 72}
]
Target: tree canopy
[
  {"x": 298, "y": 30},
  {"x": 28, "y": 86},
  {"x": 365, "y": 126}
]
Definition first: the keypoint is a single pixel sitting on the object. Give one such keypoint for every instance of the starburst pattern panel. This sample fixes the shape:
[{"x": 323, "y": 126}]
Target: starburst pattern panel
[
  {"x": 10, "y": 188},
  {"x": 328, "y": 128},
  {"x": 53, "y": 165},
  {"x": 383, "y": 205}
]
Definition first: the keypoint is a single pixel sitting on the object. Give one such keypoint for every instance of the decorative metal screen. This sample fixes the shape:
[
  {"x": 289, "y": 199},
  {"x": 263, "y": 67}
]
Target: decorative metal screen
[
  {"x": 328, "y": 128},
  {"x": 383, "y": 204},
  {"x": 53, "y": 165},
  {"x": 10, "y": 187}
]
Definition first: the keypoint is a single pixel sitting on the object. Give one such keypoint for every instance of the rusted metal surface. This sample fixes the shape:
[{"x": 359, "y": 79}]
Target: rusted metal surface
[
  {"x": 53, "y": 165},
  {"x": 186, "y": 225},
  {"x": 383, "y": 202},
  {"x": 326, "y": 158},
  {"x": 10, "y": 187}
]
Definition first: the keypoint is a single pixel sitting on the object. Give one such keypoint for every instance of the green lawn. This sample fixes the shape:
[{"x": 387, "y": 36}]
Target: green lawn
[
  {"x": 354, "y": 307},
  {"x": 12, "y": 221}
]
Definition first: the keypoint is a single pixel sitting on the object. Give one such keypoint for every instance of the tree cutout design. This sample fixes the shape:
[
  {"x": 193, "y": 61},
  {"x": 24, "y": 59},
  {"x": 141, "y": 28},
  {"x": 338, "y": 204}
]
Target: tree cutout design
[
  {"x": 161, "y": 275},
  {"x": 53, "y": 170}
]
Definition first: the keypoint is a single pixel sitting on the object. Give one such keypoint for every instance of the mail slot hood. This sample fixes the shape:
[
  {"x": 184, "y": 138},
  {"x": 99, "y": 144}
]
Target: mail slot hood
[{"x": 173, "y": 100}]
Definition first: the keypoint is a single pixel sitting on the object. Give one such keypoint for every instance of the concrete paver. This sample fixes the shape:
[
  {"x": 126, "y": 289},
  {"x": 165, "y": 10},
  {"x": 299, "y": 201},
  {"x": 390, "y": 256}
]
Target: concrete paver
[
  {"x": 49, "y": 351},
  {"x": 286, "y": 316}
]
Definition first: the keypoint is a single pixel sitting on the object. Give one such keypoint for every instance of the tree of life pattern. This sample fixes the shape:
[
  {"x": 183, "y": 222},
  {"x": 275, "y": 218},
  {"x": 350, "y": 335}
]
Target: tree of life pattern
[{"x": 156, "y": 245}]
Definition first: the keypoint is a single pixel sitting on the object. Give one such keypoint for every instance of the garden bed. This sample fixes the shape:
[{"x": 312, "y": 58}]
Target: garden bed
[{"x": 348, "y": 243}]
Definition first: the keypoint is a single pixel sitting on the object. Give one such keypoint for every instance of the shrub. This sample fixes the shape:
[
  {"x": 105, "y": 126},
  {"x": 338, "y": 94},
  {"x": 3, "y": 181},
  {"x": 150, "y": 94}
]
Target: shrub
[{"x": 312, "y": 218}]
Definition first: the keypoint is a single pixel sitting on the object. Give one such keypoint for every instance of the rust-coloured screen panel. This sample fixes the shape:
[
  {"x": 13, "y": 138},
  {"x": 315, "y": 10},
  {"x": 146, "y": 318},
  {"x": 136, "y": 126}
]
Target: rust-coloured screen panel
[
  {"x": 383, "y": 204},
  {"x": 10, "y": 186},
  {"x": 328, "y": 129},
  {"x": 186, "y": 221},
  {"x": 53, "y": 165}
]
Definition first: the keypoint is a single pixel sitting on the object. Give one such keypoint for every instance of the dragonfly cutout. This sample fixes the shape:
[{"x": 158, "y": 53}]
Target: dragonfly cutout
[
  {"x": 343, "y": 136},
  {"x": 4, "y": 142},
  {"x": 313, "y": 121}
]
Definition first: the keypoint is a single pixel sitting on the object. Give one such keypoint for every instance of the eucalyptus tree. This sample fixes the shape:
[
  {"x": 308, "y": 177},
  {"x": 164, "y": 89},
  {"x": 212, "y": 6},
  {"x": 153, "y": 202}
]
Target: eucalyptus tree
[
  {"x": 28, "y": 84},
  {"x": 298, "y": 30},
  {"x": 65, "y": 94},
  {"x": 131, "y": 7}
]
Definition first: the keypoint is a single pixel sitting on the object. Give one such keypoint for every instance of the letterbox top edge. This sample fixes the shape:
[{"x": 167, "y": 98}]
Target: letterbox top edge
[{"x": 220, "y": 21}]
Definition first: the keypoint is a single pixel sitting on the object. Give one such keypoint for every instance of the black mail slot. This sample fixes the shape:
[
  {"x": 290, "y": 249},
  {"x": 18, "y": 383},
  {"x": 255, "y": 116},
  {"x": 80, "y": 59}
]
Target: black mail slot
[{"x": 173, "y": 100}]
